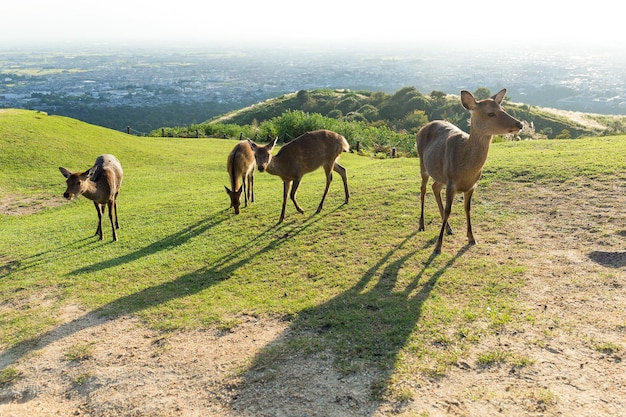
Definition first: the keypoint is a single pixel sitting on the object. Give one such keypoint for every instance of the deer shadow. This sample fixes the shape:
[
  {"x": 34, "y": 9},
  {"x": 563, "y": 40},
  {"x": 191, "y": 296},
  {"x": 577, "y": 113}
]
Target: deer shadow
[
  {"x": 372, "y": 322},
  {"x": 167, "y": 243},
  {"x": 183, "y": 286},
  {"x": 609, "y": 259}
]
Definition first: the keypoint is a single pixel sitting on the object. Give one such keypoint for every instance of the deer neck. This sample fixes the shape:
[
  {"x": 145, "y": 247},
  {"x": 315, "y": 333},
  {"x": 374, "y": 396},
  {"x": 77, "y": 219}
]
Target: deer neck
[
  {"x": 274, "y": 167},
  {"x": 90, "y": 190},
  {"x": 478, "y": 146}
]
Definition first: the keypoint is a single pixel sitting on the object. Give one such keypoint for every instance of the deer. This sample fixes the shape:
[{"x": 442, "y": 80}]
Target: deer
[
  {"x": 101, "y": 183},
  {"x": 240, "y": 166},
  {"x": 304, "y": 154},
  {"x": 455, "y": 159}
]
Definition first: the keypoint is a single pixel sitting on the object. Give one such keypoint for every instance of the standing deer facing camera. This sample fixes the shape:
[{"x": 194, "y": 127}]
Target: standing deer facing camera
[
  {"x": 240, "y": 167},
  {"x": 455, "y": 159},
  {"x": 101, "y": 184},
  {"x": 304, "y": 154}
]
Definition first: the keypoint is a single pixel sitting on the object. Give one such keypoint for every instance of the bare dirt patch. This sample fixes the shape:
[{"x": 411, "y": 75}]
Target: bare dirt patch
[
  {"x": 17, "y": 205},
  {"x": 571, "y": 241}
]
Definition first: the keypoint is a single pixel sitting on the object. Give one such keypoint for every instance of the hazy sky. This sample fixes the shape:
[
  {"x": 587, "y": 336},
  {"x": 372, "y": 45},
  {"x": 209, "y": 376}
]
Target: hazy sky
[{"x": 482, "y": 23}]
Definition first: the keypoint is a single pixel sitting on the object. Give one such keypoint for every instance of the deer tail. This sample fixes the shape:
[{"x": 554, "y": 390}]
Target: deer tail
[{"x": 344, "y": 144}]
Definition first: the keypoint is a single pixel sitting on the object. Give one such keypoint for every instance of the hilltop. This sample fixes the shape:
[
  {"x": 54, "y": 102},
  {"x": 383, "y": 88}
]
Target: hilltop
[
  {"x": 408, "y": 109},
  {"x": 347, "y": 313}
]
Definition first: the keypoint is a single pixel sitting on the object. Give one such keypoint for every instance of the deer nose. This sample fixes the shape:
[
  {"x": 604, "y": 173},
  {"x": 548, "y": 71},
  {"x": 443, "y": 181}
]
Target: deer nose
[
  {"x": 67, "y": 195},
  {"x": 261, "y": 168},
  {"x": 520, "y": 126}
]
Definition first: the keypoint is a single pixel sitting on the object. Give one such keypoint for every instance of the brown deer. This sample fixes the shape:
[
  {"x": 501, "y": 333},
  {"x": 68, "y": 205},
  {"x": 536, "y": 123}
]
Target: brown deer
[
  {"x": 455, "y": 159},
  {"x": 240, "y": 166},
  {"x": 304, "y": 154},
  {"x": 101, "y": 184}
]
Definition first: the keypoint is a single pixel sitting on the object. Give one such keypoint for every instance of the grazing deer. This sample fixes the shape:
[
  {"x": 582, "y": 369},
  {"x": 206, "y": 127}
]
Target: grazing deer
[
  {"x": 240, "y": 166},
  {"x": 101, "y": 184},
  {"x": 304, "y": 154},
  {"x": 455, "y": 159}
]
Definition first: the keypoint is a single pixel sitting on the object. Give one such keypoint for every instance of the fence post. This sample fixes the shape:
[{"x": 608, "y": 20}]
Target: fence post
[
  {"x": 162, "y": 132},
  {"x": 393, "y": 152},
  {"x": 128, "y": 129},
  {"x": 358, "y": 145}
]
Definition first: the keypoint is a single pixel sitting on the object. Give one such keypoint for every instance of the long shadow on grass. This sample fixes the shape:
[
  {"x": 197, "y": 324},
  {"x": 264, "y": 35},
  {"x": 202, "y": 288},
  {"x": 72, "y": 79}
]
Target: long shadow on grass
[
  {"x": 170, "y": 242},
  {"x": 183, "y": 286},
  {"x": 366, "y": 326},
  {"x": 43, "y": 258}
]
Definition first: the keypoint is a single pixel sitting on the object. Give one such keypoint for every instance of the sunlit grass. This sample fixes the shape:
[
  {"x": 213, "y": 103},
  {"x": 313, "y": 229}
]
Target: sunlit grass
[{"x": 356, "y": 282}]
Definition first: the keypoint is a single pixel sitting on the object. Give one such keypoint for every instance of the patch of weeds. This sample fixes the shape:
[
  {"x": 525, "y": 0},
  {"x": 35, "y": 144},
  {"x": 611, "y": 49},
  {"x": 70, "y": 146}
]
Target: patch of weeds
[
  {"x": 403, "y": 395},
  {"x": 347, "y": 367},
  {"x": 498, "y": 356},
  {"x": 544, "y": 397},
  {"x": 608, "y": 348},
  {"x": 469, "y": 334},
  {"x": 227, "y": 326},
  {"x": 8, "y": 375},
  {"x": 479, "y": 393},
  {"x": 80, "y": 379},
  {"x": 379, "y": 389},
  {"x": 80, "y": 351},
  {"x": 520, "y": 361},
  {"x": 492, "y": 358}
]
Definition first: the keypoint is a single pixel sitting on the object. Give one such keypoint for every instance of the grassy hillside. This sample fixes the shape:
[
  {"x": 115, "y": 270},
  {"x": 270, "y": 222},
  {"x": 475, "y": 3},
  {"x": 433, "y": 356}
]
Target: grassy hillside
[
  {"x": 357, "y": 280},
  {"x": 397, "y": 110}
]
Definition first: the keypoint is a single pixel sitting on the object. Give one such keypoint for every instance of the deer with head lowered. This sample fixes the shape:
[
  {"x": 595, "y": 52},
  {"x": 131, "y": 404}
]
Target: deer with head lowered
[
  {"x": 304, "y": 154},
  {"x": 240, "y": 167},
  {"x": 101, "y": 184},
  {"x": 455, "y": 159}
]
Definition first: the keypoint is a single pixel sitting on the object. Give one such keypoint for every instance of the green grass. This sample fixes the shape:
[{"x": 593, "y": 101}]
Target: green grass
[{"x": 357, "y": 281}]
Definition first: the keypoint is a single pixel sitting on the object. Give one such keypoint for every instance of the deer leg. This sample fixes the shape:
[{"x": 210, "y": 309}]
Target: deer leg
[
  {"x": 117, "y": 223},
  {"x": 329, "y": 178},
  {"x": 450, "y": 192},
  {"x": 437, "y": 187},
  {"x": 294, "y": 189},
  {"x": 342, "y": 171},
  {"x": 422, "y": 198},
  {"x": 110, "y": 204},
  {"x": 99, "y": 209},
  {"x": 468, "y": 202},
  {"x": 251, "y": 186},
  {"x": 286, "y": 185},
  {"x": 245, "y": 191}
]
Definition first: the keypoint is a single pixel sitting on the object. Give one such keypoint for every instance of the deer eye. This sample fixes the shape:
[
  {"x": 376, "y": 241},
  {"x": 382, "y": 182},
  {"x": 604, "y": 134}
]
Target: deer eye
[{"x": 491, "y": 114}]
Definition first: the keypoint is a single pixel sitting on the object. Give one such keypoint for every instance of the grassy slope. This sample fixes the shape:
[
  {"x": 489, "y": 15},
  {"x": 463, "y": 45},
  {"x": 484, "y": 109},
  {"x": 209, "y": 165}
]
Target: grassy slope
[{"x": 359, "y": 275}]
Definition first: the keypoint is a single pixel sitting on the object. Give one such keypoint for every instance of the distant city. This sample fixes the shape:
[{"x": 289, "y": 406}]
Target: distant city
[{"x": 62, "y": 81}]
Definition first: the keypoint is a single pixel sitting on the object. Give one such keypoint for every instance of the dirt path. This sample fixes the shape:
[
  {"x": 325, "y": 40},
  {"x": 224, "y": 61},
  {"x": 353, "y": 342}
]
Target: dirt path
[{"x": 572, "y": 242}]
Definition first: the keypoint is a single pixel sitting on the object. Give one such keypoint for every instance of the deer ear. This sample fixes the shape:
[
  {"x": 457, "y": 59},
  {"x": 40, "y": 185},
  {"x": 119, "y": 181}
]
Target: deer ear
[
  {"x": 468, "y": 100},
  {"x": 500, "y": 96},
  {"x": 273, "y": 143},
  {"x": 65, "y": 172},
  {"x": 252, "y": 144},
  {"x": 91, "y": 171}
]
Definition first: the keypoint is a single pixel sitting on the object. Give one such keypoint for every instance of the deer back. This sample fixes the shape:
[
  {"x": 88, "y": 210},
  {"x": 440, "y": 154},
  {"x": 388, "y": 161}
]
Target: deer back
[
  {"x": 240, "y": 162},
  {"x": 308, "y": 152}
]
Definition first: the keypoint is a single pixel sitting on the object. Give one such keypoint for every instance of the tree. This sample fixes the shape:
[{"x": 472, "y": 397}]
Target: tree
[{"x": 482, "y": 93}]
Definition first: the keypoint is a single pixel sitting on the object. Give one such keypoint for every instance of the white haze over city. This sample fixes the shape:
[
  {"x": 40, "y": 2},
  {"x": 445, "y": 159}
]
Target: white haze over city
[{"x": 322, "y": 22}]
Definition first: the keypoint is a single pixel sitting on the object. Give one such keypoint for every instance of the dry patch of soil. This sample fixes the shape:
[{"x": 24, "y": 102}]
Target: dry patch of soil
[
  {"x": 572, "y": 242},
  {"x": 18, "y": 205}
]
